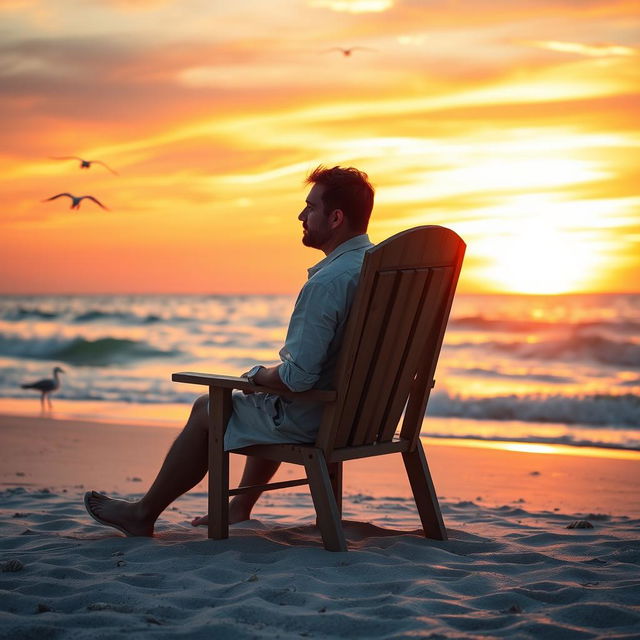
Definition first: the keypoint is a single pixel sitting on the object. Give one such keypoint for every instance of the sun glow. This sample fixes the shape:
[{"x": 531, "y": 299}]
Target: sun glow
[
  {"x": 540, "y": 260},
  {"x": 527, "y": 149}
]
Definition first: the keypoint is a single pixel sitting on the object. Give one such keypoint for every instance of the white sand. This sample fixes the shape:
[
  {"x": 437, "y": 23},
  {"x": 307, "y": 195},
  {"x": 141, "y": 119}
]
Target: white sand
[{"x": 510, "y": 569}]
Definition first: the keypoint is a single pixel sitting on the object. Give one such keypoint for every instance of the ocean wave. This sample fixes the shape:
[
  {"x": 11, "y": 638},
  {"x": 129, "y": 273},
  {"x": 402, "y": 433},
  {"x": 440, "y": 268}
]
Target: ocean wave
[
  {"x": 509, "y": 325},
  {"x": 80, "y": 351},
  {"x": 493, "y": 373},
  {"x": 575, "y": 347},
  {"x": 21, "y": 314},
  {"x": 565, "y": 439},
  {"x": 622, "y": 411},
  {"x": 18, "y": 314},
  {"x": 127, "y": 318},
  {"x": 596, "y": 348}
]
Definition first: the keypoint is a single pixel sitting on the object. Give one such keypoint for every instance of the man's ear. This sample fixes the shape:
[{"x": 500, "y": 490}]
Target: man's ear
[{"x": 337, "y": 218}]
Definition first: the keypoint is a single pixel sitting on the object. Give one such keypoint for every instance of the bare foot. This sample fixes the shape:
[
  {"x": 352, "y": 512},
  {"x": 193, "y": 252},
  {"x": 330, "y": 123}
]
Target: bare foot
[
  {"x": 200, "y": 521},
  {"x": 238, "y": 512},
  {"x": 119, "y": 514}
]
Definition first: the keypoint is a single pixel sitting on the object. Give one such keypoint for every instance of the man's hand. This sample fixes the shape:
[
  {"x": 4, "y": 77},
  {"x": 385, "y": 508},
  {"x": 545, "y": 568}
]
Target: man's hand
[{"x": 267, "y": 377}]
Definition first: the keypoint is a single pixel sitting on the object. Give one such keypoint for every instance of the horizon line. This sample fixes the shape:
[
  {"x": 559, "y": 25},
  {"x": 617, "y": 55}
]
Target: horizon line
[{"x": 292, "y": 293}]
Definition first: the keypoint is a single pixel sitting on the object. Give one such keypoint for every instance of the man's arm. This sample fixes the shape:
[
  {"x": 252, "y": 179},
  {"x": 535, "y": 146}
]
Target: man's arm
[{"x": 269, "y": 377}]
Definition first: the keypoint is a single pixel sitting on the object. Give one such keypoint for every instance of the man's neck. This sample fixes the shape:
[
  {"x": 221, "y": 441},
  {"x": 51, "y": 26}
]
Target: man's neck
[{"x": 334, "y": 243}]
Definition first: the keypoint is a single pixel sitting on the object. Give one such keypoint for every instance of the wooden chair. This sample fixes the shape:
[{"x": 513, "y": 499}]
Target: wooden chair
[{"x": 386, "y": 367}]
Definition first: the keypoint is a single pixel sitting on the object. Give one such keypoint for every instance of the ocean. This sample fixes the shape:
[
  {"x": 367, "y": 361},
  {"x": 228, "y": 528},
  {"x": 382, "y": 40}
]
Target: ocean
[{"x": 537, "y": 369}]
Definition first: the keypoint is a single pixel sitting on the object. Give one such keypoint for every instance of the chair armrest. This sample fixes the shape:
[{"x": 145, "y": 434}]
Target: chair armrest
[{"x": 242, "y": 384}]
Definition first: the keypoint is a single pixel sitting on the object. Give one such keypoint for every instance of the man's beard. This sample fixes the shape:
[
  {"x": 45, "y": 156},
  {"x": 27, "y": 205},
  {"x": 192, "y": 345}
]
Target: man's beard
[{"x": 314, "y": 240}]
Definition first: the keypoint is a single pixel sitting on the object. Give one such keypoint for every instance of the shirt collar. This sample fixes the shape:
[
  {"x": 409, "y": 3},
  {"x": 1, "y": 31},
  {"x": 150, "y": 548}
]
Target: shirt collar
[{"x": 357, "y": 242}]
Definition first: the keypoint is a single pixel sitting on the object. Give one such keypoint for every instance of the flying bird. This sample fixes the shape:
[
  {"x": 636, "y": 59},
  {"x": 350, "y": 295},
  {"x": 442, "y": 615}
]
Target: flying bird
[
  {"x": 46, "y": 386},
  {"x": 75, "y": 200},
  {"x": 85, "y": 164},
  {"x": 347, "y": 52}
]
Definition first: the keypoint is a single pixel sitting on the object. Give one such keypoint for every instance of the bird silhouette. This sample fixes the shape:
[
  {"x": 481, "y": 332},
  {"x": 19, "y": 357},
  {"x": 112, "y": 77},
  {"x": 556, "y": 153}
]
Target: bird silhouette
[
  {"x": 347, "y": 52},
  {"x": 85, "y": 164},
  {"x": 75, "y": 200},
  {"x": 46, "y": 386}
]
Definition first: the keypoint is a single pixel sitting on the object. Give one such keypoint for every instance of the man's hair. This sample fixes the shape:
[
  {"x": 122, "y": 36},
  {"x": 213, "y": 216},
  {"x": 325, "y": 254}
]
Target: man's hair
[{"x": 347, "y": 189}]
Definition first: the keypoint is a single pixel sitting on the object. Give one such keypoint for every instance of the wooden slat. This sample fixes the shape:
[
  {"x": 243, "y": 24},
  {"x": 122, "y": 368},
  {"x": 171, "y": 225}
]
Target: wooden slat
[
  {"x": 220, "y": 408},
  {"x": 390, "y": 413},
  {"x": 382, "y": 386},
  {"x": 415, "y": 352},
  {"x": 423, "y": 383},
  {"x": 379, "y": 309}
]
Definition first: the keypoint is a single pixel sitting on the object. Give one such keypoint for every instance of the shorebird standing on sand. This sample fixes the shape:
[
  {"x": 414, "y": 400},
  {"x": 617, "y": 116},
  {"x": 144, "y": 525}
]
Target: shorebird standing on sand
[
  {"x": 75, "y": 200},
  {"x": 46, "y": 386},
  {"x": 84, "y": 164}
]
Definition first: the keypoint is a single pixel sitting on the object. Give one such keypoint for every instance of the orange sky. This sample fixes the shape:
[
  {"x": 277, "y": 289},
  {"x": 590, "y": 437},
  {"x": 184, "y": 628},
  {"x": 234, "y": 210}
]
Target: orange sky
[{"x": 514, "y": 123}]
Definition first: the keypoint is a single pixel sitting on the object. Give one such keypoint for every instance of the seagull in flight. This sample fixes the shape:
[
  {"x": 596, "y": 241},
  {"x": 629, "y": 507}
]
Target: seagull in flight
[
  {"x": 75, "y": 200},
  {"x": 85, "y": 164},
  {"x": 46, "y": 386},
  {"x": 347, "y": 52}
]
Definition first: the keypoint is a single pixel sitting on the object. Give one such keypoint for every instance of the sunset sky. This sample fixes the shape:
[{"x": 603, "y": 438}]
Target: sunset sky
[{"x": 514, "y": 123}]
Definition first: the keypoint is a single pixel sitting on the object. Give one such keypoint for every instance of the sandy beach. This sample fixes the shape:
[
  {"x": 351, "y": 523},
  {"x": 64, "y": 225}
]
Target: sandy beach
[{"x": 512, "y": 567}]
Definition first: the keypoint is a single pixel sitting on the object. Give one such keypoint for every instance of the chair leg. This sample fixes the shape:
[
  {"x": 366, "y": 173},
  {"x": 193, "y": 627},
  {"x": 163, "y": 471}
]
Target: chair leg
[
  {"x": 335, "y": 474},
  {"x": 424, "y": 493},
  {"x": 220, "y": 407},
  {"x": 328, "y": 516}
]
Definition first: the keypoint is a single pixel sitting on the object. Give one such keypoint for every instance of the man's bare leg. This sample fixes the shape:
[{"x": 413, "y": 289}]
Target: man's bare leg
[
  {"x": 256, "y": 471},
  {"x": 184, "y": 466}
]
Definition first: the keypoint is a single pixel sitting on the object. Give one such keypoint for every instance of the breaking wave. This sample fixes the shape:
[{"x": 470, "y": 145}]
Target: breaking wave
[
  {"x": 96, "y": 316},
  {"x": 481, "y": 323},
  {"x": 80, "y": 351},
  {"x": 590, "y": 348},
  {"x": 21, "y": 314},
  {"x": 622, "y": 411}
]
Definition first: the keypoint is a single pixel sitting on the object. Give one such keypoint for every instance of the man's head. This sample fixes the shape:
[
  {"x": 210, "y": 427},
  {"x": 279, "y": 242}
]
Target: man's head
[{"x": 338, "y": 207}]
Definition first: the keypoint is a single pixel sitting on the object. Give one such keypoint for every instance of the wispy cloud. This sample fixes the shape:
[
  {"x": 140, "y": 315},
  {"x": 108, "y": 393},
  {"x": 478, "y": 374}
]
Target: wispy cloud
[
  {"x": 591, "y": 50},
  {"x": 353, "y": 6}
]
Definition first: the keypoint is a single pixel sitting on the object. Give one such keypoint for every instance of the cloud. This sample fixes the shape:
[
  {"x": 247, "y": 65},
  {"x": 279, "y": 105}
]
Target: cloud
[
  {"x": 353, "y": 6},
  {"x": 594, "y": 50},
  {"x": 16, "y": 5}
]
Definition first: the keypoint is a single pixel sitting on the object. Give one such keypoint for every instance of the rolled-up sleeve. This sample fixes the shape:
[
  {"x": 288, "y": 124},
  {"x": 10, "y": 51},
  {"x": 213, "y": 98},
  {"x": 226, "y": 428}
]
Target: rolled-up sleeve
[{"x": 311, "y": 330}]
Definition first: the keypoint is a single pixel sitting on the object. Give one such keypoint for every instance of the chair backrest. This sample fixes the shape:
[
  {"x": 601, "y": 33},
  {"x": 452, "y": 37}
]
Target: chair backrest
[{"x": 393, "y": 338}]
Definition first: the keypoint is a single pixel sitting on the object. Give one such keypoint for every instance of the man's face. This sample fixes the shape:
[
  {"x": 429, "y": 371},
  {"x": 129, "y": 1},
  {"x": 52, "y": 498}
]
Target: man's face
[{"x": 316, "y": 230}]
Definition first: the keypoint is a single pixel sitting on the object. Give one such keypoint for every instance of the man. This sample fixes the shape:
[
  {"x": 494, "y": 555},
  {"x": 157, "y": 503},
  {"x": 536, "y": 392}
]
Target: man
[{"x": 334, "y": 220}]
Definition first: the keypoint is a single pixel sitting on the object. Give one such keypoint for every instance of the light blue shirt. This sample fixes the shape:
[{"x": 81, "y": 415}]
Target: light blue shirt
[
  {"x": 309, "y": 355},
  {"x": 317, "y": 324}
]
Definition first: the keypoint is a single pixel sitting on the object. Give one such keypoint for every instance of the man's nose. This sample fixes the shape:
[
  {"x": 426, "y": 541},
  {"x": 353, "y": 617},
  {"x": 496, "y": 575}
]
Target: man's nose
[{"x": 302, "y": 215}]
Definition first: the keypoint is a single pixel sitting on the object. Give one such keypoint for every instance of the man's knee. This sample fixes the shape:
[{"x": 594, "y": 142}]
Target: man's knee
[
  {"x": 201, "y": 405},
  {"x": 199, "y": 418}
]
